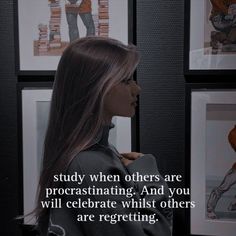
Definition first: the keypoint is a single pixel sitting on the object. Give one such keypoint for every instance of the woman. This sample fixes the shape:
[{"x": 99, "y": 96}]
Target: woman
[{"x": 94, "y": 83}]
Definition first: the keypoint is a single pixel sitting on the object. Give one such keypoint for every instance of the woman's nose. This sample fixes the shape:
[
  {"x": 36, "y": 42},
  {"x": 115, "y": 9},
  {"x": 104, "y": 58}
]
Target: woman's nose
[{"x": 137, "y": 89}]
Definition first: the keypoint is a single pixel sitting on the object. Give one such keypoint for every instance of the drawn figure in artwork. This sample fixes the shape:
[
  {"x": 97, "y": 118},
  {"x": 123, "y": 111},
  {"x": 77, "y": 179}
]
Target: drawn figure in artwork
[
  {"x": 228, "y": 181},
  {"x": 223, "y": 19},
  {"x": 84, "y": 9}
]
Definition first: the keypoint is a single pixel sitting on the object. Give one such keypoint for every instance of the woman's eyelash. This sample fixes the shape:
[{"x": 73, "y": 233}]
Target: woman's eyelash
[{"x": 127, "y": 81}]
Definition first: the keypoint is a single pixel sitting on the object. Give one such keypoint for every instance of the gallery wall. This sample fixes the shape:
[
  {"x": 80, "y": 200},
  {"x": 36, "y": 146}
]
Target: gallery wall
[
  {"x": 160, "y": 39},
  {"x": 8, "y": 120}
]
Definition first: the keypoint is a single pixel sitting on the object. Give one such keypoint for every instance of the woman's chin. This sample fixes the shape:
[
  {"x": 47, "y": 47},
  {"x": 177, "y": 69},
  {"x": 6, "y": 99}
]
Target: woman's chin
[{"x": 131, "y": 113}]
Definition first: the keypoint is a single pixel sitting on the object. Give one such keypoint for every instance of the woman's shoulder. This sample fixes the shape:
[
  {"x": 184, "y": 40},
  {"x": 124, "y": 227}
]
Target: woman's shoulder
[
  {"x": 92, "y": 154},
  {"x": 91, "y": 160}
]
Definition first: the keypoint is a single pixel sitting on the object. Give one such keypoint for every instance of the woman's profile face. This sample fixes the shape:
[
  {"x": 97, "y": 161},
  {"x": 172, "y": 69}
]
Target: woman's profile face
[{"x": 121, "y": 100}]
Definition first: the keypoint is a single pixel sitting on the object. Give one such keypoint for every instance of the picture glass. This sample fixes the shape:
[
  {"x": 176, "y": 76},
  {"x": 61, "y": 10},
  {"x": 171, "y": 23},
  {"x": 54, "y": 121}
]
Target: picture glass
[{"x": 42, "y": 113}]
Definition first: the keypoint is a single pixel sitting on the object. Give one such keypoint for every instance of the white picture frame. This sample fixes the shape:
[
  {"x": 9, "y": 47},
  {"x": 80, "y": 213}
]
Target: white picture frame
[{"x": 35, "y": 112}]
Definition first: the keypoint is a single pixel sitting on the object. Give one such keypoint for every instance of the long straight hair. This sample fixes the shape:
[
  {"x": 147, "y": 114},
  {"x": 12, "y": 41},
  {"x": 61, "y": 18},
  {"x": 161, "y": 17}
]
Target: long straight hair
[{"x": 88, "y": 69}]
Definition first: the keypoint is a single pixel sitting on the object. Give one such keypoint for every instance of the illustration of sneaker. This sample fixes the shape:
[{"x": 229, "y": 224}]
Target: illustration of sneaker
[
  {"x": 232, "y": 207},
  {"x": 211, "y": 215}
]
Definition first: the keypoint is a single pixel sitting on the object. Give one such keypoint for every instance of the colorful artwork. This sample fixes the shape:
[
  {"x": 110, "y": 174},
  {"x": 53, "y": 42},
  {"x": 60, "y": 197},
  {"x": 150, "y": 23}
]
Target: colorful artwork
[
  {"x": 220, "y": 27},
  {"x": 53, "y": 24},
  {"x": 94, "y": 16},
  {"x": 212, "y": 36},
  {"x": 221, "y": 162},
  {"x": 213, "y": 158}
]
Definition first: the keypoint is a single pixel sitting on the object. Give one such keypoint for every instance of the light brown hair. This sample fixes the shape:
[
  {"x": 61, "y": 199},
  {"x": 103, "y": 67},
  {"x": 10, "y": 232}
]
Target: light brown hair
[{"x": 88, "y": 69}]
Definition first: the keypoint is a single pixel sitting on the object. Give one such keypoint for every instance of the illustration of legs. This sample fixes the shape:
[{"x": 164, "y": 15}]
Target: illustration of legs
[
  {"x": 216, "y": 38},
  {"x": 73, "y": 26},
  {"x": 232, "y": 35},
  {"x": 88, "y": 22},
  {"x": 228, "y": 181},
  {"x": 232, "y": 14}
]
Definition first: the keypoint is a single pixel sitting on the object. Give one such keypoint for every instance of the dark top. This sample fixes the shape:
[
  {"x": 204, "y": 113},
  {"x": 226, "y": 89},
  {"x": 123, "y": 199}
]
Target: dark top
[{"x": 103, "y": 157}]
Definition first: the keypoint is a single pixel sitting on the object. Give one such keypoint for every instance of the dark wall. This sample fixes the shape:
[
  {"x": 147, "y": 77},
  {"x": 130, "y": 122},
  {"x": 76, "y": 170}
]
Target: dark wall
[
  {"x": 160, "y": 40},
  {"x": 160, "y": 74},
  {"x": 8, "y": 122}
]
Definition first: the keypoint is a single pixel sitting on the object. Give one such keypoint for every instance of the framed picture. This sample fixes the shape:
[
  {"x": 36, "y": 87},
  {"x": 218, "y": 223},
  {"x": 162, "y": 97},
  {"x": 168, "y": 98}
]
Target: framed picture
[
  {"x": 46, "y": 27},
  {"x": 212, "y": 164},
  {"x": 210, "y": 37},
  {"x": 35, "y": 105}
]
